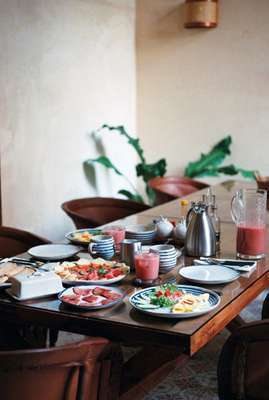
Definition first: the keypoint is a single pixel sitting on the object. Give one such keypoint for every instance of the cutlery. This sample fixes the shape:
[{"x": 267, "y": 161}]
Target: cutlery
[
  {"x": 22, "y": 261},
  {"x": 238, "y": 265}
]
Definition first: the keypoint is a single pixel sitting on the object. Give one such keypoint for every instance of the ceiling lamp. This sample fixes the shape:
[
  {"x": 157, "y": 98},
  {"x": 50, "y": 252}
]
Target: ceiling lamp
[{"x": 201, "y": 13}]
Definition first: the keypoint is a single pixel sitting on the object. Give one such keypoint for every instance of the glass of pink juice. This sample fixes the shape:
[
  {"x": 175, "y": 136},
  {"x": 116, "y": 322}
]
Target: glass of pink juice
[
  {"x": 248, "y": 209},
  {"x": 147, "y": 266},
  {"x": 118, "y": 234}
]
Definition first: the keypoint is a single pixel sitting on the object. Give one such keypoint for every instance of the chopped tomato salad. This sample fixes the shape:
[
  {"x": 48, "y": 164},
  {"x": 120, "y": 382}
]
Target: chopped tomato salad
[{"x": 91, "y": 270}]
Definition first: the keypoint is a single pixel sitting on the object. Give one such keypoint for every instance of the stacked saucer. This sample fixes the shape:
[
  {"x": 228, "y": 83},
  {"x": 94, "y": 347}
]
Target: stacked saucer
[
  {"x": 143, "y": 233},
  {"x": 168, "y": 256}
]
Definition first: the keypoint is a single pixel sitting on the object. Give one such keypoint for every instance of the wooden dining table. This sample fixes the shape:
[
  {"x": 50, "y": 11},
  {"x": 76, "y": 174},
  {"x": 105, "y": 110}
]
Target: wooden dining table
[{"x": 161, "y": 344}]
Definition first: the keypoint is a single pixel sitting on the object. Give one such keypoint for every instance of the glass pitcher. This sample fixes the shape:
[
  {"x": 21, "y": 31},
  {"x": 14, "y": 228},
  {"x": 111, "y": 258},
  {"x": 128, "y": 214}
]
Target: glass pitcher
[{"x": 248, "y": 209}]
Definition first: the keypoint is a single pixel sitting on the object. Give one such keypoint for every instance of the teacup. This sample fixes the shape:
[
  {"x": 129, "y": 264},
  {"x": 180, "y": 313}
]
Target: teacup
[{"x": 102, "y": 246}]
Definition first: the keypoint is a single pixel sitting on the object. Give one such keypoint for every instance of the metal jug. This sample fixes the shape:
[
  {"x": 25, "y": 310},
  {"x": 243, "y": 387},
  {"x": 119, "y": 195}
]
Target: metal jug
[{"x": 200, "y": 237}]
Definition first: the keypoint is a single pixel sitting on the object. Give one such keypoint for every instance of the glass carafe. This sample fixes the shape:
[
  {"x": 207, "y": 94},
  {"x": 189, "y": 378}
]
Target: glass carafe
[{"x": 248, "y": 210}]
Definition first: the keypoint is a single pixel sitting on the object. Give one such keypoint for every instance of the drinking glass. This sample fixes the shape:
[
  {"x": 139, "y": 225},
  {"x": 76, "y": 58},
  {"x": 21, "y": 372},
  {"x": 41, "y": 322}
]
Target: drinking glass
[
  {"x": 248, "y": 209},
  {"x": 147, "y": 266},
  {"x": 118, "y": 234}
]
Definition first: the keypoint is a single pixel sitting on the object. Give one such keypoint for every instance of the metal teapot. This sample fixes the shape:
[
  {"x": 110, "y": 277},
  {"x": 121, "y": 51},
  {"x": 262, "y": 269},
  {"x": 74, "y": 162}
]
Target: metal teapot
[{"x": 200, "y": 237}]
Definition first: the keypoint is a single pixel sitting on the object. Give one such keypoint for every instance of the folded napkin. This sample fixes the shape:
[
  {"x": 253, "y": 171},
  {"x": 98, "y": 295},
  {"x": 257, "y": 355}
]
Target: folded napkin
[{"x": 237, "y": 265}]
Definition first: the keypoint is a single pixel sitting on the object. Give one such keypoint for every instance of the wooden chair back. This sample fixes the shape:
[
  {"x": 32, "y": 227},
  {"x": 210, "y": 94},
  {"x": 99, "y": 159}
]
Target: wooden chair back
[
  {"x": 95, "y": 211},
  {"x": 169, "y": 188},
  {"x": 15, "y": 241},
  {"x": 89, "y": 369},
  {"x": 243, "y": 367}
]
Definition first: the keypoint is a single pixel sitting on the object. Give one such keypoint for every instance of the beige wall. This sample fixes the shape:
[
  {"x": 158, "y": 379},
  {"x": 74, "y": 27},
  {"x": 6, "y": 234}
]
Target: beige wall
[
  {"x": 196, "y": 86},
  {"x": 67, "y": 66}
]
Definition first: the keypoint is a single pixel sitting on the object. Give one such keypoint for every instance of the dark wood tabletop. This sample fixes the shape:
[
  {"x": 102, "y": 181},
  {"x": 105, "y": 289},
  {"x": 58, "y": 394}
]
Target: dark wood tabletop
[{"x": 122, "y": 323}]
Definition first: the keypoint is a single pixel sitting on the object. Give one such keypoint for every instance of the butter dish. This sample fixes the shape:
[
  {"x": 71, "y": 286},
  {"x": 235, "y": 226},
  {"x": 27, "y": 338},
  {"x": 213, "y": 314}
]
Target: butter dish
[{"x": 39, "y": 284}]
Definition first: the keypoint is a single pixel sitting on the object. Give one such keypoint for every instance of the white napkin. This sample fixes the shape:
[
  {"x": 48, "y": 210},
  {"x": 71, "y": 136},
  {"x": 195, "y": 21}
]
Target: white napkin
[{"x": 240, "y": 266}]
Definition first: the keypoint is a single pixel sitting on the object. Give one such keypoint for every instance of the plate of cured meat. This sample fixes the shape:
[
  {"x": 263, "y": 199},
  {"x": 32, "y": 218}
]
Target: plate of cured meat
[{"x": 91, "y": 297}]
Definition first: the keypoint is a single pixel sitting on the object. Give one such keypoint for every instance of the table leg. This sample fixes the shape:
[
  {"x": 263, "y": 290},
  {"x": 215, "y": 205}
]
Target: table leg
[{"x": 148, "y": 368}]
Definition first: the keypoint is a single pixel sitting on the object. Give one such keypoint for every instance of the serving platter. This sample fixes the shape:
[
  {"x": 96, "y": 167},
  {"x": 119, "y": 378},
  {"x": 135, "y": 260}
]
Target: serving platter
[
  {"x": 143, "y": 296},
  {"x": 86, "y": 301},
  {"x": 68, "y": 268}
]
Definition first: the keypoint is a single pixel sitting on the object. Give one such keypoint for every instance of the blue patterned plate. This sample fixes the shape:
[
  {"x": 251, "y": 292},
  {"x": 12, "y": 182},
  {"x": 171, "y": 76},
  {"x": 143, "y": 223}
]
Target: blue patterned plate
[{"x": 141, "y": 301}]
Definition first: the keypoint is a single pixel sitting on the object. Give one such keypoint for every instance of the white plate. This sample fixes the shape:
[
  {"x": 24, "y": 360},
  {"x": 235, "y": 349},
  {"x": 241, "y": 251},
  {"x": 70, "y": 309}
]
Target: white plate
[
  {"x": 51, "y": 267},
  {"x": 165, "y": 312},
  {"x": 145, "y": 229},
  {"x": 53, "y": 252},
  {"x": 210, "y": 275},
  {"x": 93, "y": 307},
  {"x": 147, "y": 248}
]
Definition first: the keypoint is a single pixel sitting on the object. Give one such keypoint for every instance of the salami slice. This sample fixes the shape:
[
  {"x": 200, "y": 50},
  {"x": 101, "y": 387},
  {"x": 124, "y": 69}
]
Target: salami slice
[
  {"x": 91, "y": 299},
  {"x": 82, "y": 292}
]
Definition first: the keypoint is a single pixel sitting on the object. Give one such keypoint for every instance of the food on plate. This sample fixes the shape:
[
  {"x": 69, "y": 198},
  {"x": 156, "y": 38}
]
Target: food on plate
[
  {"x": 84, "y": 237},
  {"x": 10, "y": 269},
  {"x": 87, "y": 297},
  {"x": 177, "y": 301},
  {"x": 91, "y": 270},
  {"x": 190, "y": 302}
]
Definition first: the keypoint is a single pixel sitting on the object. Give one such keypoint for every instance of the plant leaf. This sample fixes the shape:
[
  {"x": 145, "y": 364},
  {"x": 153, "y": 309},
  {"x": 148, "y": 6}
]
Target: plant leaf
[
  {"x": 105, "y": 161},
  {"x": 148, "y": 171},
  {"x": 208, "y": 161},
  {"x": 233, "y": 170},
  {"x": 134, "y": 142},
  {"x": 131, "y": 196}
]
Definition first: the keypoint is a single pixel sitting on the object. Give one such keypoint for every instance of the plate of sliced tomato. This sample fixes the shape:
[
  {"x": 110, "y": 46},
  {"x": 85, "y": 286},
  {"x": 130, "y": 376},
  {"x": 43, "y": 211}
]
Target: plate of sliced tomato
[
  {"x": 90, "y": 271},
  {"x": 91, "y": 297}
]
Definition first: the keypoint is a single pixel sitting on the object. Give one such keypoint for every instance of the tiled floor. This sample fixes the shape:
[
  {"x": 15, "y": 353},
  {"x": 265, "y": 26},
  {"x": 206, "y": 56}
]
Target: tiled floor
[{"x": 197, "y": 380}]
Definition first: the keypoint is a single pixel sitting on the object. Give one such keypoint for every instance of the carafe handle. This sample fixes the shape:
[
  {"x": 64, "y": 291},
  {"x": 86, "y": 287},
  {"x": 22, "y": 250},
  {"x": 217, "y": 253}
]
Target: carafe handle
[{"x": 236, "y": 203}]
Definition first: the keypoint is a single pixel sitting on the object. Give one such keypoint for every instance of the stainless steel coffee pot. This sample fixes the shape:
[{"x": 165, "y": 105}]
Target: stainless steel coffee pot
[{"x": 200, "y": 237}]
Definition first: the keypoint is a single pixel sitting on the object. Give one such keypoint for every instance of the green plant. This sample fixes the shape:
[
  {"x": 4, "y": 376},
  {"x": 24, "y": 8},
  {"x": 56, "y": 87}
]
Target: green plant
[
  {"x": 143, "y": 169},
  {"x": 210, "y": 164}
]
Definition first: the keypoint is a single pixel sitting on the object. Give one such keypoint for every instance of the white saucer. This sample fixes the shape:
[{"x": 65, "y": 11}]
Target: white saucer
[{"x": 210, "y": 275}]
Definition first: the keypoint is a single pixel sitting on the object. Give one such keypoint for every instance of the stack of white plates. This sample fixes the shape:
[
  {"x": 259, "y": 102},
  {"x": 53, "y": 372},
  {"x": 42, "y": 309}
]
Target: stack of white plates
[
  {"x": 168, "y": 256},
  {"x": 144, "y": 233}
]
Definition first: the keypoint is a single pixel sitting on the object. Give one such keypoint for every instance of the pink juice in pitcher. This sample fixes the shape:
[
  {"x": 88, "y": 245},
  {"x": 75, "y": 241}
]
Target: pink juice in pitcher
[{"x": 251, "y": 240}]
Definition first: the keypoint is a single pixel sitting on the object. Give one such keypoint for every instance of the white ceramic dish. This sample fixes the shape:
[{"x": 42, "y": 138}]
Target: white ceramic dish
[
  {"x": 52, "y": 266},
  {"x": 140, "y": 229},
  {"x": 53, "y": 252},
  {"x": 8, "y": 291},
  {"x": 69, "y": 291},
  {"x": 209, "y": 275},
  {"x": 70, "y": 236},
  {"x": 177, "y": 252},
  {"x": 164, "y": 312}
]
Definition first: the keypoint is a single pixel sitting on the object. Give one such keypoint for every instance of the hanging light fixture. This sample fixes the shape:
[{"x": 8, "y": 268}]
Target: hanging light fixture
[{"x": 201, "y": 13}]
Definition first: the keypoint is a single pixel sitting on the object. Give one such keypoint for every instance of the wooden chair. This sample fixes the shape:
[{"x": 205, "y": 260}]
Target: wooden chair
[
  {"x": 87, "y": 370},
  {"x": 15, "y": 241},
  {"x": 243, "y": 367},
  {"x": 168, "y": 188},
  {"x": 95, "y": 211}
]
